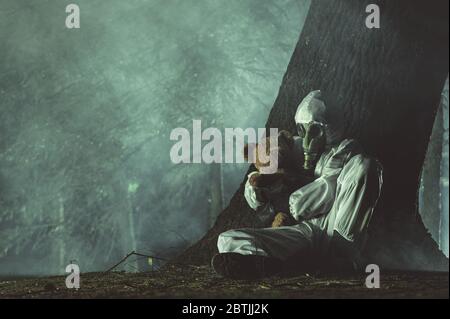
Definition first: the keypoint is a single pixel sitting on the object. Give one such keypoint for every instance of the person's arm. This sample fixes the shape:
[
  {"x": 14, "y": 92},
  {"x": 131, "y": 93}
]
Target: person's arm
[
  {"x": 313, "y": 199},
  {"x": 318, "y": 197}
]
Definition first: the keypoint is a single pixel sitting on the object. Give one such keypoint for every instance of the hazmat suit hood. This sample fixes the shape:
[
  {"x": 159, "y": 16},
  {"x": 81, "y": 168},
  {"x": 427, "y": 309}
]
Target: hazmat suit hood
[{"x": 313, "y": 109}]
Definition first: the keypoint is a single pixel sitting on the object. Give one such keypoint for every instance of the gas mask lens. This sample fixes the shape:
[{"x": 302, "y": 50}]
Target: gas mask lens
[{"x": 301, "y": 130}]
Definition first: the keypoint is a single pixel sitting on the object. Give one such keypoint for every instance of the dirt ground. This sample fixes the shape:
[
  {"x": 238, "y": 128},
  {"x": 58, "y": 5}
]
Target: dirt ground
[{"x": 201, "y": 282}]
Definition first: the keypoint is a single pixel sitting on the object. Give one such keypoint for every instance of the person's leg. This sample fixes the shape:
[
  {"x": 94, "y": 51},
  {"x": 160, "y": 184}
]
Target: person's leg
[
  {"x": 358, "y": 190},
  {"x": 253, "y": 253},
  {"x": 241, "y": 241}
]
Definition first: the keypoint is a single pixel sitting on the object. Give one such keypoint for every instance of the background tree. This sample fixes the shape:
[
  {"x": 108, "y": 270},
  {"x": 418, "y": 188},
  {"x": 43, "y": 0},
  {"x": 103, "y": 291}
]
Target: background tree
[
  {"x": 444, "y": 178},
  {"x": 433, "y": 193}
]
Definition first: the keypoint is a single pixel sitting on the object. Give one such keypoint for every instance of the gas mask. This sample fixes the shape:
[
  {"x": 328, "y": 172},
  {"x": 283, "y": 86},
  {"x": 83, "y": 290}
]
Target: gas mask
[{"x": 314, "y": 140}]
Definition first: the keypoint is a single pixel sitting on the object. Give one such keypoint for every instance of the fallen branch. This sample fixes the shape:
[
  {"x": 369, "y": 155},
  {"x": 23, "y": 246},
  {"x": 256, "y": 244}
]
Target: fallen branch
[{"x": 131, "y": 254}]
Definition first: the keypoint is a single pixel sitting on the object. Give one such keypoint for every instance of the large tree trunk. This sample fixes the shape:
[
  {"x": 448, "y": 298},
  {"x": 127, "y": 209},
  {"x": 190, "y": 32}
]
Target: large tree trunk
[
  {"x": 387, "y": 82},
  {"x": 215, "y": 193}
]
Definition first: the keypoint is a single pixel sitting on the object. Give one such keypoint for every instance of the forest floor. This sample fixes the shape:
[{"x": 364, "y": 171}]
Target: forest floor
[{"x": 201, "y": 282}]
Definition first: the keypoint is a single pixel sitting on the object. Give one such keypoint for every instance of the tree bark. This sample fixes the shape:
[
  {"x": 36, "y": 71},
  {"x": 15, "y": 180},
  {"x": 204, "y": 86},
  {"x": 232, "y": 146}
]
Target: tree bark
[
  {"x": 216, "y": 194},
  {"x": 387, "y": 82}
]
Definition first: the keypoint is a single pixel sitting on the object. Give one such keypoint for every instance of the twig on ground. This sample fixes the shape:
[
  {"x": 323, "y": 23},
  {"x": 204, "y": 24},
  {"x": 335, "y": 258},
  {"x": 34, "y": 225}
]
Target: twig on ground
[{"x": 129, "y": 255}]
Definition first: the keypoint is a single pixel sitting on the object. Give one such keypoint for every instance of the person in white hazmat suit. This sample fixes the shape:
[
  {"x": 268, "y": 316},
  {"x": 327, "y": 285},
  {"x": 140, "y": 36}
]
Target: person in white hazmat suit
[{"x": 331, "y": 213}]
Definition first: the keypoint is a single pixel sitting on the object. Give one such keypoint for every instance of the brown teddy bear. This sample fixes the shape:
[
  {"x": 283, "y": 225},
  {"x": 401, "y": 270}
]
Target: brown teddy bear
[{"x": 276, "y": 188}]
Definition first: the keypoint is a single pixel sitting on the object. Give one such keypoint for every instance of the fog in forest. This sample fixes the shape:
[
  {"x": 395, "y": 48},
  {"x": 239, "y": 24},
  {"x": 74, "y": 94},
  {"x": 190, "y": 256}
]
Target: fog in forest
[
  {"x": 85, "y": 173},
  {"x": 86, "y": 115}
]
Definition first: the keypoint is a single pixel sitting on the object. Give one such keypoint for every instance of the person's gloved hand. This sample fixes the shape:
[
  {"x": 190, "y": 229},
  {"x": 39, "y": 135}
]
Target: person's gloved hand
[{"x": 282, "y": 219}]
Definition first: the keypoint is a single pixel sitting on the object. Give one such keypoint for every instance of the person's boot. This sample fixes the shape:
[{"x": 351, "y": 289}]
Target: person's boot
[{"x": 238, "y": 266}]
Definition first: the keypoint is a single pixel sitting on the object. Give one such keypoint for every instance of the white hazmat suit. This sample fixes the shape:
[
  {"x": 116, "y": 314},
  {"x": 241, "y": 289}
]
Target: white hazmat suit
[{"x": 340, "y": 200}]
